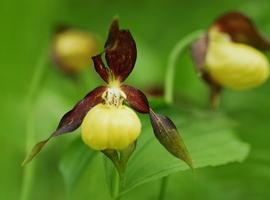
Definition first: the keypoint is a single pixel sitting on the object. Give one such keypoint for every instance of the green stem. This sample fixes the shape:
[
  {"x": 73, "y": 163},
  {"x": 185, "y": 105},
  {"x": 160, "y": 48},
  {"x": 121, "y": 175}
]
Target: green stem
[
  {"x": 119, "y": 181},
  {"x": 214, "y": 98},
  {"x": 163, "y": 187},
  {"x": 172, "y": 61},
  {"x": 169, "y": 82},
  {"x": 28, "y": 171},
  {"x": 116, "y": 185}
]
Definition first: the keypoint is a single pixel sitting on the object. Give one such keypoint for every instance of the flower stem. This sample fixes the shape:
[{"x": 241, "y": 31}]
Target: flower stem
[
  {"x": 214, "y": 97},
  {"x": 116, "y": 185},
  {"x": 163, "y": 186},
  {"x": 28, "y": 171},
  {"x": 169, "y": 82},
  {"x": 119, "y": 180},
  {"x": 172, "y": 61}
]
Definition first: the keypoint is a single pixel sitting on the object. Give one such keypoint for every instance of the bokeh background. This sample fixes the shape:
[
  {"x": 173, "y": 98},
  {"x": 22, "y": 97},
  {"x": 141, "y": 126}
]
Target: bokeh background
[{"x": 26, "y": 31}]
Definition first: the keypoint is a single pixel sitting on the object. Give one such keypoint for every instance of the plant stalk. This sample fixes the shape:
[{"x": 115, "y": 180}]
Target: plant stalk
[
  {"x": 28, "y": 171},
  {"x": 116, "y": 186},
  {"x": 175, "y": 54},
  {"x": 163, "y": 187},
  {"x": 214, "y": 98},
  {"x": 172, "y": 61}
]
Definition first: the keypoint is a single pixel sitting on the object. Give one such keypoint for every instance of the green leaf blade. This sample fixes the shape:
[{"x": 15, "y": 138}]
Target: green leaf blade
[
  {"x": 74, "y": 162},
  {"x": 209, "y": 137}
]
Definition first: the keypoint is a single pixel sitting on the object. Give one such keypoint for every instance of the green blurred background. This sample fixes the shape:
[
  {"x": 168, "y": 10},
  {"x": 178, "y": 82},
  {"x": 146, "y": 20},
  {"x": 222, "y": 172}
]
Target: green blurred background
[{"x": 26, "y": 30}]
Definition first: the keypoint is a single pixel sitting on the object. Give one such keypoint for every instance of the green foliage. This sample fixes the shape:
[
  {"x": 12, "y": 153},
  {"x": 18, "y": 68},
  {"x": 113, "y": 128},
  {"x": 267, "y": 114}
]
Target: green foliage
[
  {"x": 74, "y": 162},
  {"x": 27, "y": 26},
  {"x": 210, "y": 144}
]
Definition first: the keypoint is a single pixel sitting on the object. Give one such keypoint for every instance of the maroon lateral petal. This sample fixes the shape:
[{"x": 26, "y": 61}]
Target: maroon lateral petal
[
  {"x": 136, "y": 99},
  {"x": 100, "y": 68},
  {"x": 199, "y": 51},
  {"x": 241, "y": 29},
  {"x": 167, "y": 134},
  {"x": 120, "y": 51},
  {"x": 71, "y": 120}
]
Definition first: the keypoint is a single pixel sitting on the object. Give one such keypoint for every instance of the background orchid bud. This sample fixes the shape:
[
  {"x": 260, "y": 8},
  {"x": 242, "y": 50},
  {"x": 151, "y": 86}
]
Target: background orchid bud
[
  {"x": 234, "y": 65},
  {"x": 73, "y": 49},
  {"x": 110, "y": 127}
]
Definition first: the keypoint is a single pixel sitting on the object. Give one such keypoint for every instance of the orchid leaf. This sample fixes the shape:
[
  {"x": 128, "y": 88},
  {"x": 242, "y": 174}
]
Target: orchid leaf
[
  {"x": 209, "y": 137},
  {"x": 75, "y": 160}
]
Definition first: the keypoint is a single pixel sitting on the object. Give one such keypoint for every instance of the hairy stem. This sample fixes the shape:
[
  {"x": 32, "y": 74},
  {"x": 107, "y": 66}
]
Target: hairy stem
[{"x": 172, "y": 61}]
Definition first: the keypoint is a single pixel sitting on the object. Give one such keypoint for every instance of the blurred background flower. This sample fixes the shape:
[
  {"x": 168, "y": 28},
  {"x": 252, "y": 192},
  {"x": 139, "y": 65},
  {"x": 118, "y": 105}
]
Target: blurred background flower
[
  {"x": 72, "y": 49},
  {"x": 230, "y": 55}
]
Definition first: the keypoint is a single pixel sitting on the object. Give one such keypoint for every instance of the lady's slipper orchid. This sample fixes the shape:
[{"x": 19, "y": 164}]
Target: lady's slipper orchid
[
  {"x": 229, "y": 54},
  {"x": 106, "y": 114}
]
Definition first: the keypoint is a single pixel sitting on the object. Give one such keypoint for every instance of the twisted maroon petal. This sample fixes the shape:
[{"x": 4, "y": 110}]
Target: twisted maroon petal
[
  {"x": 120, "y": 51},
  {"x": 71, "y": 120},
  {"x": 241, "y": 29},
  {"x": 199, "y": 51},
  {"x": 136, "y": 99},
  {"x": 100, "y": 68}
]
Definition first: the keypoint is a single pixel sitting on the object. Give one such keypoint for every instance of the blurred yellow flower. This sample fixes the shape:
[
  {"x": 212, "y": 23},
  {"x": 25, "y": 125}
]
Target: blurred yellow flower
[
  {"x": 235, "y": 65},
  {"x": 73, "y": 49}
]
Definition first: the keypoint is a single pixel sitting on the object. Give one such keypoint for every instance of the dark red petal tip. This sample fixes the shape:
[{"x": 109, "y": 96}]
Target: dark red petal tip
[
  {"x": 241, "y": 29},
  {"x": 136, "y": 99},
  {"x": 167, "y": 134},
  {"x": 71, "y": 120},
  {"x": 113, "y": 32},
  {"x": 100, "y": 68},
  {"x": 120, "y": 51},
  {"x": 35, "y": 150}
]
